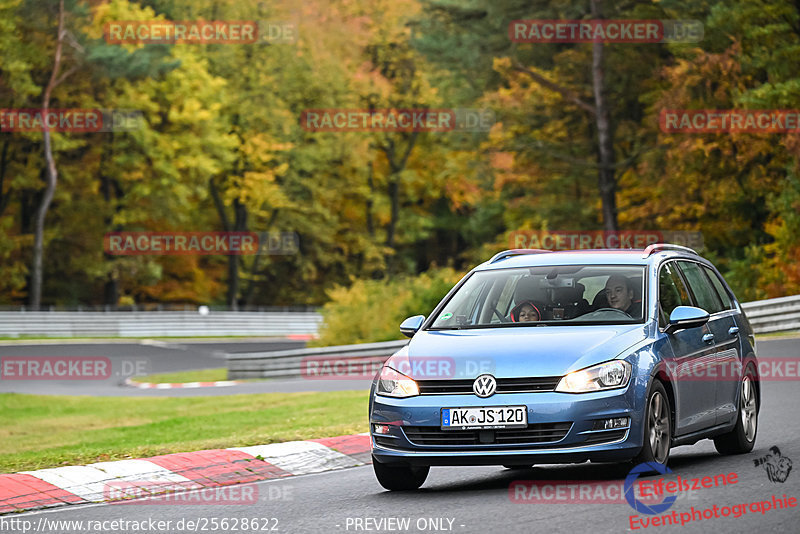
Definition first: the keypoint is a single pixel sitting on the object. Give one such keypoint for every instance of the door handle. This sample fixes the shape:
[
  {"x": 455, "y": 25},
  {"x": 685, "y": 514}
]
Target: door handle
[
  {"x": 708, "y": 338},
  {"x": 733, "y": 331}
]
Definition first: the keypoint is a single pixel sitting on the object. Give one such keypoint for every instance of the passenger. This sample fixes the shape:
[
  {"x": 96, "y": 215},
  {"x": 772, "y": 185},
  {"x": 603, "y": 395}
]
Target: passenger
[
  {"x": 619, "y": 294},
  {"x": 525, "y": 312}
]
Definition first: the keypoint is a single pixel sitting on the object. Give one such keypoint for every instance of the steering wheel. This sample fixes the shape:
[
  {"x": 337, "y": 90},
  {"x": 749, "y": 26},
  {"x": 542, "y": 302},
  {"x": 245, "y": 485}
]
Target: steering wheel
[{"x": 617, "y": 310}]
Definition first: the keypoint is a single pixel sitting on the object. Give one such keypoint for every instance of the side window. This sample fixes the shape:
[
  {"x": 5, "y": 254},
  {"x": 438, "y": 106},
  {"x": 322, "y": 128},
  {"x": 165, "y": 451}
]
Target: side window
[
  {"x": 727, "y": 303},
  {"x": 671, "y": 292},
  {"x": 704, "y": 293}
]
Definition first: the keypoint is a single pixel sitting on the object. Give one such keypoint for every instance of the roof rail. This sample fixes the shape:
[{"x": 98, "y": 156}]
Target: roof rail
[
  {"x": 516, "y": 252},
  {"x": 660, "y": 247}
]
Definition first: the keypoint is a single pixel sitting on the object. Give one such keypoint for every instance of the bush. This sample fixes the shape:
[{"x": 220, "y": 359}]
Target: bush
[{"x": 372, "y": 310}]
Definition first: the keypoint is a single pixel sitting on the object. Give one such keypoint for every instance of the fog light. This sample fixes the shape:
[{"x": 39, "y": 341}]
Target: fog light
[
  {"x": 381, "y": 429},
  {"x": 609, "y": 424}
]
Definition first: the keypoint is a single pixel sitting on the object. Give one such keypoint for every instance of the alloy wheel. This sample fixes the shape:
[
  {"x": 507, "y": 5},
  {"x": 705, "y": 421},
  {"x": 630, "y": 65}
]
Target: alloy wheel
[
  {"x": 749, "y": 413},
  {"x": 659, "y": 427}
]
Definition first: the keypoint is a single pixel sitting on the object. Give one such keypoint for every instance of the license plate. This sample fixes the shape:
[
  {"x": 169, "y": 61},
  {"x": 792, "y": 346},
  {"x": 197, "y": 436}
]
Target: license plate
[{"x": 486, "y": 417}]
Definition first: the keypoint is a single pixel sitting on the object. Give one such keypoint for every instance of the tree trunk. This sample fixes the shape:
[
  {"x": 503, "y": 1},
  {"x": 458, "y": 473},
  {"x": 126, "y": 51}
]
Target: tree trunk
[
  {"x": 239, "y": 225},
  {"x": 4, "y": 198},
  {"x": 394, "y": 199},
  {"x": 35, "y": 296},
  {"x": 396, "y": 164},
  {"x": 371, "y": 184},
  {"x": 111, "y": 191},
  {"x": 233, "y": 260},
  {"x": 606, "y": 180},
  {"x": 255, "y": 266}
]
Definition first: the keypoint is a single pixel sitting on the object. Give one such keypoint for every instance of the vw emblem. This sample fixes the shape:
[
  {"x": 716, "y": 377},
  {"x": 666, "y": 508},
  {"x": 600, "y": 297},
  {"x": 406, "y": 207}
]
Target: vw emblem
[{"x": 484, "y": 386}]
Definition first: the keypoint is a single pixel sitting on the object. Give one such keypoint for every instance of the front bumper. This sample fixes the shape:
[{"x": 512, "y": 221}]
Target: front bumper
[{"x": 560, "y": 429}]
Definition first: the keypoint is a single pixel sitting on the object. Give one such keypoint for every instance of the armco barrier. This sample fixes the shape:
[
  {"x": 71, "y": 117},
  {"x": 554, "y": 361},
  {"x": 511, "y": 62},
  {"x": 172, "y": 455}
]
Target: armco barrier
[
  {"x": 766, "y": 316},
  {"x": 287, "y": 363},
  {"x": 157, "y": 323},
  {"x": 774, "y": 315}
]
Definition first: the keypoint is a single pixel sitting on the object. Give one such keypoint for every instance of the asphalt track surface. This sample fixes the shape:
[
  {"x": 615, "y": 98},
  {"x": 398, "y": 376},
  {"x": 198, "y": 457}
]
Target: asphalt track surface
[{"x": 476, "y": 499}]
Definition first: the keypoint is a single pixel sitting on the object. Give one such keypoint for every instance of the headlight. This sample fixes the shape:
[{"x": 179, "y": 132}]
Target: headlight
[
  {"x": 392, "y": 383},
  {"x": 609, "y": 375}
]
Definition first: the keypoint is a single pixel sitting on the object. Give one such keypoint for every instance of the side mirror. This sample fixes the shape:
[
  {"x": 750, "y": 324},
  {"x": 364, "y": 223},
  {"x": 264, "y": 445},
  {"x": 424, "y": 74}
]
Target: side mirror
[
  {"x": 410, "y": 326},
  {"x": 684, "y": 317}
]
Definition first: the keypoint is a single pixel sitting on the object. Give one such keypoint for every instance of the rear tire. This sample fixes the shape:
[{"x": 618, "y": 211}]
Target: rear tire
[
  {"x": 657, "y": 428},
  {"x": 742, "y": 438},
  {"x": 400, "y": 477}
]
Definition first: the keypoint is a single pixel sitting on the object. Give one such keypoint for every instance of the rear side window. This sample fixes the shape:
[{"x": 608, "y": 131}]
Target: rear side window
[
  {"x": 727, "y": 303},
  {"x": 704, "y": 293},
  {"x": 671, "y": 292}
]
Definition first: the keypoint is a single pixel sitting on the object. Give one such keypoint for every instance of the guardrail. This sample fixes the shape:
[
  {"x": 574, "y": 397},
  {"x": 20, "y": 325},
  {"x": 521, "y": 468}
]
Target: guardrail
[
  {"x": 289, "y": 363},
  {"x": 766, "y": 316},
  {"x": 774, "y": 315},
  {"x": 168, "y": 324}
]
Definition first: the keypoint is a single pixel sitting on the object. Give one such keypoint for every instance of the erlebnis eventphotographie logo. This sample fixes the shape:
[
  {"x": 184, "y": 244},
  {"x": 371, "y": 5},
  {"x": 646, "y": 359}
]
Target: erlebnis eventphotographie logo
[{"x": 777, "y": 466}]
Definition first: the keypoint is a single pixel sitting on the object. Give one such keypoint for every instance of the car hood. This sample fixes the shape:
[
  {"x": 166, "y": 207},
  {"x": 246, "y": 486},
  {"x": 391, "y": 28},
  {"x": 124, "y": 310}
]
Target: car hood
[{"x": 513, "y": 352}]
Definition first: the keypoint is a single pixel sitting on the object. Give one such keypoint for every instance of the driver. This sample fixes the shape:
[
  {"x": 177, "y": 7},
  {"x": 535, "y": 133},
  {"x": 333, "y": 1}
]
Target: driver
[
  {"x": 525, "y": 312},
  {"x": 620, "y": 295}
]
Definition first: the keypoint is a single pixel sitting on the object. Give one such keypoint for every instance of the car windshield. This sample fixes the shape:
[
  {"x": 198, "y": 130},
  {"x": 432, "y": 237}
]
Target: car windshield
[{"x": 553, "y": 295}]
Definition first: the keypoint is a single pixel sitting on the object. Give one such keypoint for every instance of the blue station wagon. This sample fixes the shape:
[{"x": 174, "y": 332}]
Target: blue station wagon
[{"x": 564, "y": 357}]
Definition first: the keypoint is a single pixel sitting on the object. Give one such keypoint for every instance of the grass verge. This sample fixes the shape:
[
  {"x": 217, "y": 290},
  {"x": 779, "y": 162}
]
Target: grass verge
[{"x": 40, "y": 431}]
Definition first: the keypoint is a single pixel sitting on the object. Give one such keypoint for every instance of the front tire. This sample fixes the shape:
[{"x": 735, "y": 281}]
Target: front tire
[
  {"x": 657, "y": 429},
  {"x": 400, "y": 477},
  {"x": 742, "y": 438}
]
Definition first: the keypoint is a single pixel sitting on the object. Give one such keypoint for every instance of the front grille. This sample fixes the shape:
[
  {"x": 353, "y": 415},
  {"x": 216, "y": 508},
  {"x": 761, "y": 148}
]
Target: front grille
[
  {"x": 504, "y": 385},
  {"x": 533, "y": 434}
]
